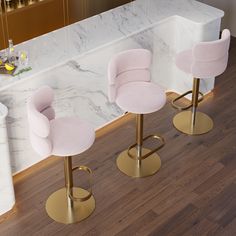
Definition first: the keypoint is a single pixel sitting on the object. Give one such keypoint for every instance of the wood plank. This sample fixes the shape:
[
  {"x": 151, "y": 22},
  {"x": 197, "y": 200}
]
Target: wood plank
[
  {"x": 177, "y": 224},
  {"x": 203, "y": 228},
  {"x": 138, "y": 224}
]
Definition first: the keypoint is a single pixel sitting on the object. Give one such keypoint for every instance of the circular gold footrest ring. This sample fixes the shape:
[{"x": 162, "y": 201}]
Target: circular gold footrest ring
[
  {"x": 131, "y": 167},
  {"x": 154, "y": 136},
  {"x": 89, "y": 171},
  {"x": 181, "y": 108}
]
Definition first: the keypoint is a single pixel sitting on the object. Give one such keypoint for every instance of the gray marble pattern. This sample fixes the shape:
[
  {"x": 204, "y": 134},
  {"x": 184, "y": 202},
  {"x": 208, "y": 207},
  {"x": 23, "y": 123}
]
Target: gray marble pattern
[{"x": 7, "y": 196}]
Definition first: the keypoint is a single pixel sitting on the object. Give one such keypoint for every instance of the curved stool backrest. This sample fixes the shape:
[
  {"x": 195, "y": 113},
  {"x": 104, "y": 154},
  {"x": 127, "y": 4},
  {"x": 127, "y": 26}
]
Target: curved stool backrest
[
  {"x": 130, "y": 60},
  {"x": 40, "y": 113},
  {"x": 210, "y": 58}
]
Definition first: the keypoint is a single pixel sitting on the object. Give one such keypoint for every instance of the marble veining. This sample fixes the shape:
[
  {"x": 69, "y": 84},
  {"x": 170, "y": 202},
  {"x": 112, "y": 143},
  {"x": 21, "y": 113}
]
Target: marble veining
[
  {"x": 61, "y": 45},
  {"x": 73, "y": 61},
  {"x": 7, "y": 196}
]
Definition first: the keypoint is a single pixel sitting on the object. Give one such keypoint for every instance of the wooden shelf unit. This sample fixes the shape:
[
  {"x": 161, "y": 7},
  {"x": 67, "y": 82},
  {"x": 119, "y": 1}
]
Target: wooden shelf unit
[{"x": 40, "y": 17}]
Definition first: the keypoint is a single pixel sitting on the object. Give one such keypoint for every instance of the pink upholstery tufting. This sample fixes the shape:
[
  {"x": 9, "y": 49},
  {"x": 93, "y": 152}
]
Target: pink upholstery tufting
[
  {"x": 206, "y": 59},
  {"x": 43, "y": 146},
  {"x": 130, "y": 65},
  {"x": 129, "y": 82},
  {"x": 49, "y": 136},
  {"x": 40, "y": 101}
]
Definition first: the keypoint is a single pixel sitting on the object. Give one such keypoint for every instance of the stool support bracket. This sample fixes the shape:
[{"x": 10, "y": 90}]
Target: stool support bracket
[
  {"x": 154, "y": 136},
  {"x": 173, "y": 102},
  {"x": 89, "y": 171}
]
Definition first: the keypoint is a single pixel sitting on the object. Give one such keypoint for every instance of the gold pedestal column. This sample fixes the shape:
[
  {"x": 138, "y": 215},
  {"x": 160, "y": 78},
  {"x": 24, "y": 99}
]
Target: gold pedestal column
[
  {"x": 193, "y": 122},
  {"x": 70, "y": 205},
  {"x": 132, "y": 162}
]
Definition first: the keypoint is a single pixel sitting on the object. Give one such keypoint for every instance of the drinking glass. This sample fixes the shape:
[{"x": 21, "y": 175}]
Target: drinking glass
[{"x": 23, "y": 58}]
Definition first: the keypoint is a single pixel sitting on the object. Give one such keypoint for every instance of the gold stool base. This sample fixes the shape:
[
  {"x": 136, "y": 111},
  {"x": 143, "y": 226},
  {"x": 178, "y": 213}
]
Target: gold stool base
[
  {"x": 203, "y": 123},
  {"x": 129, "y": 166},
  {"x": 57, "y": 207}
]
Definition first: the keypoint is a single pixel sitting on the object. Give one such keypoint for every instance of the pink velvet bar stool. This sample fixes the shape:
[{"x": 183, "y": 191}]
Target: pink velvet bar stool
[
  {"x": 63, "y": 137},
  {"x": 204, "y": 60},
  {"x": 131, "y": 89}
]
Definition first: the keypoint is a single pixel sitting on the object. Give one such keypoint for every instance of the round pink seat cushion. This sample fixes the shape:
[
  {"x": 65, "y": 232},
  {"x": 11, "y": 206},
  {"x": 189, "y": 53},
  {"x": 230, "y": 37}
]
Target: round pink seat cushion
[
  {"x": 140, "y": 97},
  {"x": 70, "y": 136}
]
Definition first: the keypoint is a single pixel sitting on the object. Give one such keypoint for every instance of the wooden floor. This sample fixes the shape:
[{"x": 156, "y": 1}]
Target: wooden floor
[{"x": 194, "y": 193}]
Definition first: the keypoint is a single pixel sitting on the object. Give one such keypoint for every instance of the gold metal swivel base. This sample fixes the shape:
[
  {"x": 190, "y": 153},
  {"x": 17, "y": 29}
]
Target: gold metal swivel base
[
  {"x": 130, "y": 166},
  {"x": 58, "y": 209},
  {"x": 183, "y": 122}
]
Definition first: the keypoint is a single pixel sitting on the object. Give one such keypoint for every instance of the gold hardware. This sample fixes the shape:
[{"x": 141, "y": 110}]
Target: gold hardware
[
  {"x": 20, "y": 4},
  {"x": 88, "y": 170},
  {"x": 68, "y": 179},
  {"x": 183, "y": 122},
  {"x": 69, "y": 205},
  {"x": 30, "y": 2},
  {"x": 149, "y": 153},
  {"x": 193, "y": 122},
  {"x": 139, "y": 136},
  {"x": 139, "y": 161},
  {"x": 133, "y": 168},
  {"x": 181, "y": 108}
]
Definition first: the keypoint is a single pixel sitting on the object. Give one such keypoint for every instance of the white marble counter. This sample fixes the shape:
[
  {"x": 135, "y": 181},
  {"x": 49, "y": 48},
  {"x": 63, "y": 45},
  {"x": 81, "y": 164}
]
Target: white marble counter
[
  {"x": 73, "y": 61},
  {"x": 7, "y": 196},
  {"x": 61, "y": 45}
]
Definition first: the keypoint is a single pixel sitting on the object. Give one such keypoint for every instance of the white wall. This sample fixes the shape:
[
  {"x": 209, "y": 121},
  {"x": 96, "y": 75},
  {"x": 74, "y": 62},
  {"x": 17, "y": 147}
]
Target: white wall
[{"x": 229, "y": 7}]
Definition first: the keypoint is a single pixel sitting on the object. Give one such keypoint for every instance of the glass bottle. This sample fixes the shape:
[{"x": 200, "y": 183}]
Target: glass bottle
[{"x": 11, "y": 52}]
